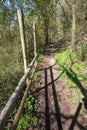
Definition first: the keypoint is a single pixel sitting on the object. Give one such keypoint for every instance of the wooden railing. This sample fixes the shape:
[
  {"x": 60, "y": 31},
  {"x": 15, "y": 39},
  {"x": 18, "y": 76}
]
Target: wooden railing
[
  {"x": 7, "y": 109},
  {"x": 25, "y": 80}
]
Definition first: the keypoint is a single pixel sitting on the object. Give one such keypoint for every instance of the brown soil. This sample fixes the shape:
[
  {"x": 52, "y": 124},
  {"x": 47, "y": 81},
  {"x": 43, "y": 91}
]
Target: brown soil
[{"x": 55, "y": 110}]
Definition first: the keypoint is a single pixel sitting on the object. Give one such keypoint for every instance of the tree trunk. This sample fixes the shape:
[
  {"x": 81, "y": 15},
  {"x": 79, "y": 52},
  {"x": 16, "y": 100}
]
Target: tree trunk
[
  {"x": 10, "y": 38},
  {"x": 46, "y": 32},
  {"x": 34, "y": 36},
  {"x": 73, "y": 27}
]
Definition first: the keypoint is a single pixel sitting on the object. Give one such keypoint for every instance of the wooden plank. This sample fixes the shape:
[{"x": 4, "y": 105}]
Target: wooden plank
[
  {"x": 22, "y": 35},
  {"x": 7, "y": 109}
]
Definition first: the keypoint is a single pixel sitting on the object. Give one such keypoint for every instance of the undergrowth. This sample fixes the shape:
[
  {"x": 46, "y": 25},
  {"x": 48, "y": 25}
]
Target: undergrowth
[
  {"x": 75, "y": 73},
  {"x": 28, "y": 117},
  {"x": 11, "y": 70}
]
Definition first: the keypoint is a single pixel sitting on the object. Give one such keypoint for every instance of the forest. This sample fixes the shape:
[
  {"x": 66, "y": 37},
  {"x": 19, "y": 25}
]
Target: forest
[{"x": 57, "y": 99}]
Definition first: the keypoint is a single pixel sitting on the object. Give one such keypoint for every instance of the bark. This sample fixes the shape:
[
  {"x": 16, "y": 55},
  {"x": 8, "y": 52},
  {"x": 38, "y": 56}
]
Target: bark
[
  {"x": 73, "y": 27},
  {"x": 46, "y": 32}
]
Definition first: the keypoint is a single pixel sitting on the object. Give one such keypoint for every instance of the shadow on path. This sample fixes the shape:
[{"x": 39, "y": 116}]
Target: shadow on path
[
  {"x": 47, "y": 115},
  {"x": 57, "y": 110},
  {"x": 58, "y": 115},
  {"x": 74, "y": 78},
  {"x": 74, "y": 119},
  {"x": 51, "y": 95}
]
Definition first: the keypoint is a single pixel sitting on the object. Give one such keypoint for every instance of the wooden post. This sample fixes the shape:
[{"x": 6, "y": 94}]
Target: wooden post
[
  {"x": 22, "y": 35},
  {"x": 34, "y": 35}
]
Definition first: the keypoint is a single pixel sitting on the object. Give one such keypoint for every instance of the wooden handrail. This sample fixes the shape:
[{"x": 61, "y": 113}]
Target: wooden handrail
[
  {"x": 7, "y": 109},
  {"x": 18, "y": 114}
]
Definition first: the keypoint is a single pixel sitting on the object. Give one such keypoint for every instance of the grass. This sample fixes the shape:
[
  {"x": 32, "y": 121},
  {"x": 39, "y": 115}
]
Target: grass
[{"x": 75, "y": 73}]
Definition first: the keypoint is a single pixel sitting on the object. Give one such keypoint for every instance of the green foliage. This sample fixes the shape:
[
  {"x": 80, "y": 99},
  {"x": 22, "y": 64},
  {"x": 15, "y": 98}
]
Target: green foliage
[
  {"x": 30, "y": 104},
  {"x": 26, "y": 121},
  {"x": 11, "y": 70},
  {"x": 67, "y": 57},
  {"x": 40, "y": 57},
  {"x": 28, "y": 118},
  {"x": 37, "y": 74},
  {"x": 74, "y": 73}
]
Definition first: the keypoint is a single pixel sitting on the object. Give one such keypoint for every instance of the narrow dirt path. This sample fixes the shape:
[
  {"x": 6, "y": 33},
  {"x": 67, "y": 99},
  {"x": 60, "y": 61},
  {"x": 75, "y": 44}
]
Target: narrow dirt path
[{"x": 55, "y": 111}]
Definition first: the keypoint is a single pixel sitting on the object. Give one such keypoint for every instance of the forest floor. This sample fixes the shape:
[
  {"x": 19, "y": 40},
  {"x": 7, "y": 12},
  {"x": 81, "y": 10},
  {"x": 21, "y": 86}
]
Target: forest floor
[{"x": 55, "y": 110}]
